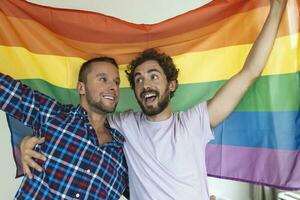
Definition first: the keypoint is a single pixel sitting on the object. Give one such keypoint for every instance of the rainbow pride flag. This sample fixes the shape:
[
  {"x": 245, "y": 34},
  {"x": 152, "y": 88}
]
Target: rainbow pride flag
[{"x": 258, "y": 143}]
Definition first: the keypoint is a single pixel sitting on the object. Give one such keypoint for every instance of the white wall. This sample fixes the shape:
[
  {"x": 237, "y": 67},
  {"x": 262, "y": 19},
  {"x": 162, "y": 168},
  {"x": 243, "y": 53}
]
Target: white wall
[
  {"x": 136, "y": 11},
  {"x": 8, "y": 184},
  {"x": 149, "y": 12}
]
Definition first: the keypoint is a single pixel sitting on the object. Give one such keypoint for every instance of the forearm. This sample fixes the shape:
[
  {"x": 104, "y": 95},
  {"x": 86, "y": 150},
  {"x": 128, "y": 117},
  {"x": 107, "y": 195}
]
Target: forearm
[
  {"x": 226, "y": 99},
  {"x": 10, "y": 96},
  {"x": 23, "y": 103}
]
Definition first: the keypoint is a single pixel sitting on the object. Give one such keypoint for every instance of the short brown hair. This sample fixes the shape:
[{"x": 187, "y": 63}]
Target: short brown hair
[{"x": 85, "y": 67}]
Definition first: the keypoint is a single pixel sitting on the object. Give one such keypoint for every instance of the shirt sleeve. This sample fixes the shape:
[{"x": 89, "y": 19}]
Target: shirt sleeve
[
  {"x": 28, "y": 106},
  {"x": 120, "y": 120},
  {"x": 198, "y": 120}
]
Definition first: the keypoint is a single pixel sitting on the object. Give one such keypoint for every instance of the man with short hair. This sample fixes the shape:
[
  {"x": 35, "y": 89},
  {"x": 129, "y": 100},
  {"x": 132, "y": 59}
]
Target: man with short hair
[{"x": 85, "y": 159}]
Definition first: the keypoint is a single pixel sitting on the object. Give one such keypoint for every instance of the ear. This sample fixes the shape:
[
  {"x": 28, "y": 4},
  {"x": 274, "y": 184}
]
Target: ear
[
  {"x": 81, "y": 88},
  {"x": 172, "y": 85}
]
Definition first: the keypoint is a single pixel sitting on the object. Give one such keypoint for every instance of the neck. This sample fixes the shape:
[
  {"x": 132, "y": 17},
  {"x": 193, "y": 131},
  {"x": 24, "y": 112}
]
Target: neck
[
  {"x": 165, "y": 114},
  {"x": 96, "y": 119}
]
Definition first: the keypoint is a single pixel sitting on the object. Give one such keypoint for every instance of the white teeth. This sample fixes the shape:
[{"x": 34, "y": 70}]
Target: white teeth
[
  {"x": 109, "y": 97},
  {"x": 150, "y": 95}
]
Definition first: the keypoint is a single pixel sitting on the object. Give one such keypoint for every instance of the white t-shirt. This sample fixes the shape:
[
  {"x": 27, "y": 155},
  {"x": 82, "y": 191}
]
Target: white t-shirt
[{"x": 166, "y": 159}]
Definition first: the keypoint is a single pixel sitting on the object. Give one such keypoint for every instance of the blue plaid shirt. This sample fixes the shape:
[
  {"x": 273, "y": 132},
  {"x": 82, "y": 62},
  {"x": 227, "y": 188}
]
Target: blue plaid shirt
[{"x": 77, "y": 167}]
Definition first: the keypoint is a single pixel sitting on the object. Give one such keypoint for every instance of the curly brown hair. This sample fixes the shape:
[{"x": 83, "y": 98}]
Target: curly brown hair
[{"x": 164, "y": 61}]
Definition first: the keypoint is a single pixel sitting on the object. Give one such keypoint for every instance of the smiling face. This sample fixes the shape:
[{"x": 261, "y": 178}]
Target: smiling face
[
  {"x": 151, "y": 88},
  {"x": 100, "y": 92}
]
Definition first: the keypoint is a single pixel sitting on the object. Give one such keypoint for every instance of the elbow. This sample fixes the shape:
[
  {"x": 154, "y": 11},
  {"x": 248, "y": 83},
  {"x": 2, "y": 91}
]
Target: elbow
[{"x": 249, "y": 76}]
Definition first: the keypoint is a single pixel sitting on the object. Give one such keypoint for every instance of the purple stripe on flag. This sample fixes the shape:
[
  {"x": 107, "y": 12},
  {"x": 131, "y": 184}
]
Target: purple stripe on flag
[{"x": 276, "y": 168}]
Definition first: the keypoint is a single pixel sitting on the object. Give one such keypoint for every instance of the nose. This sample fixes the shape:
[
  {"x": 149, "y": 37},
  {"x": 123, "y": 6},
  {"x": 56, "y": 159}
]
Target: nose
[
  {"x": 146, "y": 84},
  {"x": 113, "y": 86}
]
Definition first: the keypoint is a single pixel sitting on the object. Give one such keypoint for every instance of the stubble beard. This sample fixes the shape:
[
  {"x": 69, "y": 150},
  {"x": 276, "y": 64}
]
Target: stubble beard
[
  {"x": 161, "y": 105},
  {"x": 98, "y": 106}
]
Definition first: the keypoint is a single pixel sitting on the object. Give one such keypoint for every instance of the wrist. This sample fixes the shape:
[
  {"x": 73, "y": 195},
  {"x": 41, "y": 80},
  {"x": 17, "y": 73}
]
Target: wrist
[{"x": 277, "y": 7}]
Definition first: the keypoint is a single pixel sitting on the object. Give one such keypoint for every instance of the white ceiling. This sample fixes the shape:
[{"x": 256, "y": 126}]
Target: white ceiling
[{"x": 136, "y": 11}]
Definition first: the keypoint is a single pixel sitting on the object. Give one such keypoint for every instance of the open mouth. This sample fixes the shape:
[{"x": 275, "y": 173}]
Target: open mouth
[
  {"x": 149, "y": 97},
  {"x": 109, "y": 97}
]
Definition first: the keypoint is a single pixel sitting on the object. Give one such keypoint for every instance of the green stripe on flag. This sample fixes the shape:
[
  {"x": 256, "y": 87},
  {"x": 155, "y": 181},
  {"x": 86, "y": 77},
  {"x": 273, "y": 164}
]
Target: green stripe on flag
[{"x": 269, "y": 93}]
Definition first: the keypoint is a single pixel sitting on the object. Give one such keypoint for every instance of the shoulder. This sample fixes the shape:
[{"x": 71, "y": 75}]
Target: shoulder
[
  {"x": 124, "y": 117},
  {"x": 198, "y": 109}
]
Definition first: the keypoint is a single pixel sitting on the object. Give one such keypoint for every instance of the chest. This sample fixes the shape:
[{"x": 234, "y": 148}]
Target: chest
[
  {"x": 173, "y": 148},
  {"x": 70, "y": 144}
]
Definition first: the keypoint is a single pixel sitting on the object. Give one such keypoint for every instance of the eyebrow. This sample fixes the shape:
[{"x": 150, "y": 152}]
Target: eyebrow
[
  {"x": 105, "y": 74},
  {"x": 153, "y": 70},
  {"x": 101, "y": 74},
  {"x": 149, "y": 71}
]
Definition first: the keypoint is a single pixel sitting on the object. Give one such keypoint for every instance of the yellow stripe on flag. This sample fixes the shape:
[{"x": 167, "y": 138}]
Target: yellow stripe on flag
[
  {"x": 205, "y": 66},
  {"x": 223, "y": 63}
]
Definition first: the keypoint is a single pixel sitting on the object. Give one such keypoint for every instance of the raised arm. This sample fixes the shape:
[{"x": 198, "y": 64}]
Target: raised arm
[
  {"x": 227, "y": 98},
  {"x": 30, "y": 107}
]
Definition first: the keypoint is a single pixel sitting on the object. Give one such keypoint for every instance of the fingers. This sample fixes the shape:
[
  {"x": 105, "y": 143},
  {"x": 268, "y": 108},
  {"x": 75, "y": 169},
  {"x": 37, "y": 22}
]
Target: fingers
[
  {"x": 27, "y": 171},
  {"x": 31, "y": 142},
  {"x": 28, "y": 142},
  {"x": 34, "y": 154},
  {"x": 27, "y": 160},
  {"x": 27, "y": 163},
  {"x": 27, "y": 145},
  {"x": 28, "y": 155},
  {"x": 39, "y": 140}
]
